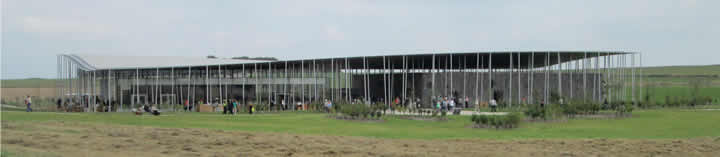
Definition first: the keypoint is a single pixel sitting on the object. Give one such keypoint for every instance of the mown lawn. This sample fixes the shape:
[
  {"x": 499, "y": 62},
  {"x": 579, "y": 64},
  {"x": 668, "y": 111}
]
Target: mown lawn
[{"x": 663, "y": 123}]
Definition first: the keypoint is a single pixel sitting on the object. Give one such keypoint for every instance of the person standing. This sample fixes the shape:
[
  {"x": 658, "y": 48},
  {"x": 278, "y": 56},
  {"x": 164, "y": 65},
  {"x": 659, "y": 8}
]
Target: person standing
[
  {"x": 467, "y": 102},
  {"x": 251, "y": 109},
  {"x": 493, "y": 105},
  {"x": 59, "y": 104},
  {"x": 225, "y": 107},
  {"x": 284, "y": 106},
  {"x": 233, "y": 107},
  {"x": 28, "y": 102},
  {"x": 187, "y": 105},
  {"x": 417, "y": 103},
  {"x": 438, "y": 103},
  {"x": 452, "y": 104}
]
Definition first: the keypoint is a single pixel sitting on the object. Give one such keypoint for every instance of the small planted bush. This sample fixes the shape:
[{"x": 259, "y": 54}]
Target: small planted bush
[
  {"x": 359, "y": 111},
  {"x": 539, "y": 112},
  {"x": 624, "y": 109},
  {"x": 580, "y": 108},
  {"x": 511, "y": 120}
]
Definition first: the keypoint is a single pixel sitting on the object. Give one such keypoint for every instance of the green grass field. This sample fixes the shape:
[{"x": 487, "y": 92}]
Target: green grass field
[
  {"x": 29, "y": 83},
  {"x": 682, "y": 70},
  {"x": 659, "y": 94},
  {"x": 644, "y": 124}
]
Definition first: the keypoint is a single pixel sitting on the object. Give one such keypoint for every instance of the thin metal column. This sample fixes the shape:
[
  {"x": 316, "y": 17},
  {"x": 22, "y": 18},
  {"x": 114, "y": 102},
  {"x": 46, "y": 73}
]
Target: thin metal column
[
  {"x": 571, "y": 72},
  {"x": 531, "y": 77},
  {"x": 137, "y": 86},
  {"x": 332, "y": 79},
  {"x": 641, "y": 76},
  {"x": 432, "y": 72},
  {"x": 348, "y": 78},
  {"x": 607, "y": 76},
  {"x": 492, "y": 91},
  {"x": 510, "y": 86},
  {"x": 302, "y": 78},
  {"x": 156, "y": 91},
  {"x": 189, "y": 80},
  {"x": 366, "y": 71},
  {"x": 244, "y": 82},
  {"x": 207, "y": 85},
  {"x": 94, "y": 85},
  {"x": 287, "y": 81},
  {"x": 315, "y": 98},
  {"x": 477, "y": 78},
  {"x": 269, "y": 83},
  {"x": 546, "y": 69},
  {"x": 597, "y": 79},
  {"x": 404, "y": 84},
  {"x": 559, "y": 72},
  {"x": 450, "y": 72},
  {"x": 108, "y": 88},
  {"x": 172, "y": 87},
  {"x": 584, "y": 69},
  {"x": 632, "y": 66},
  {"x": 482, "y": 79},
  {"x": 220, "y": 89},
  {"x": 257, "y": 84},
  {"x": 385, "y": 87}
]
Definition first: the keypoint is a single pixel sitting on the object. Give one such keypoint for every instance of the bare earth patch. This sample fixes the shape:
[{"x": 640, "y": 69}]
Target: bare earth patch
[{"x": 74, "y": 139}]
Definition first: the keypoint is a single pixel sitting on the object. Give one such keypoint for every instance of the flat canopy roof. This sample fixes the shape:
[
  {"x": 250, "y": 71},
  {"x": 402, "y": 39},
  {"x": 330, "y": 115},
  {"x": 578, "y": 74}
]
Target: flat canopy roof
[
  {"x": 501, "y": 59},
  {"x": 99, "y": 62}
]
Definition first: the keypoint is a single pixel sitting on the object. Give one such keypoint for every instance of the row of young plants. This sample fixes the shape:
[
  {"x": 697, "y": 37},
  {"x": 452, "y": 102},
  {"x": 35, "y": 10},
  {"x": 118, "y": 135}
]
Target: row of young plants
[
  {"x": 511, "y": 120},
  {"x": 360, "y": 111},
  {"x": 426, "y": 112},
  {"x": 677, "y": 102},
  {"x": 553, "y": 111}
]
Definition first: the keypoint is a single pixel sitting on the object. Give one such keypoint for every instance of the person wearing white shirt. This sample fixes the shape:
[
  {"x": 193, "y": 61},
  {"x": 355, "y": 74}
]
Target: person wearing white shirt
[
  {"x": 452, "y": 104},
  {"x": 493, "y": 105}
]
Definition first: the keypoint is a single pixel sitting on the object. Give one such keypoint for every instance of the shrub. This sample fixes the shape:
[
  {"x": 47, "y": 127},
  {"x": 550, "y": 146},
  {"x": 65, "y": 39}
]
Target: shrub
[
  {"x": 356, "y": 111},
  {"x": 535, "y": 111},
  {"x": 624, "y": 109},
  {"x": 511, "y": 120}
]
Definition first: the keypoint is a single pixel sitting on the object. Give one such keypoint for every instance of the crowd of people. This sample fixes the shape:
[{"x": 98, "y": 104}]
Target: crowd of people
[{"x": 234, "y": 106}]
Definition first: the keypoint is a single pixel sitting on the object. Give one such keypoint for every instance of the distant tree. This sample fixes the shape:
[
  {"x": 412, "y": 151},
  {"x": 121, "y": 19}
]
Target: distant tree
[
  {"x": 695, "y": 85},
  {"x": 211, "y": 57}
]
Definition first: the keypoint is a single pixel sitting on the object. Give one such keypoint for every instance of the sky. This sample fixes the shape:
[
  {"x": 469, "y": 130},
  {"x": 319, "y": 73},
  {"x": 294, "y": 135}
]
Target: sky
[{"x": 667, "y": 32}]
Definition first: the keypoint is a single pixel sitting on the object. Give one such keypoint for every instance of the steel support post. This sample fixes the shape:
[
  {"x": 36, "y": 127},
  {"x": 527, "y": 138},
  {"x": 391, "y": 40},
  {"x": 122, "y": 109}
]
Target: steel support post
[
  {"x": 531, "y": 92},
  {"x": 477, "y": 78},
  {"x": 509, "y": 87},
  {"x": 432, "y": 82},
  {"x": 559, "y": 74},
  {"x": 641, "y": 76},
  {"x": 490, "y": 80},
  {"x": 244, "y": 82},
  {"x": 257, "y": 84},
  {"x": 519, "y": 76},
  {"x": 584, "y": 69},
  {"x": 385, "y": 87}
]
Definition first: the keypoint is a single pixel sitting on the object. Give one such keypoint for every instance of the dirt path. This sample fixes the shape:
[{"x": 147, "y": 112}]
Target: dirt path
[{"x": 73, "y": 139}]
